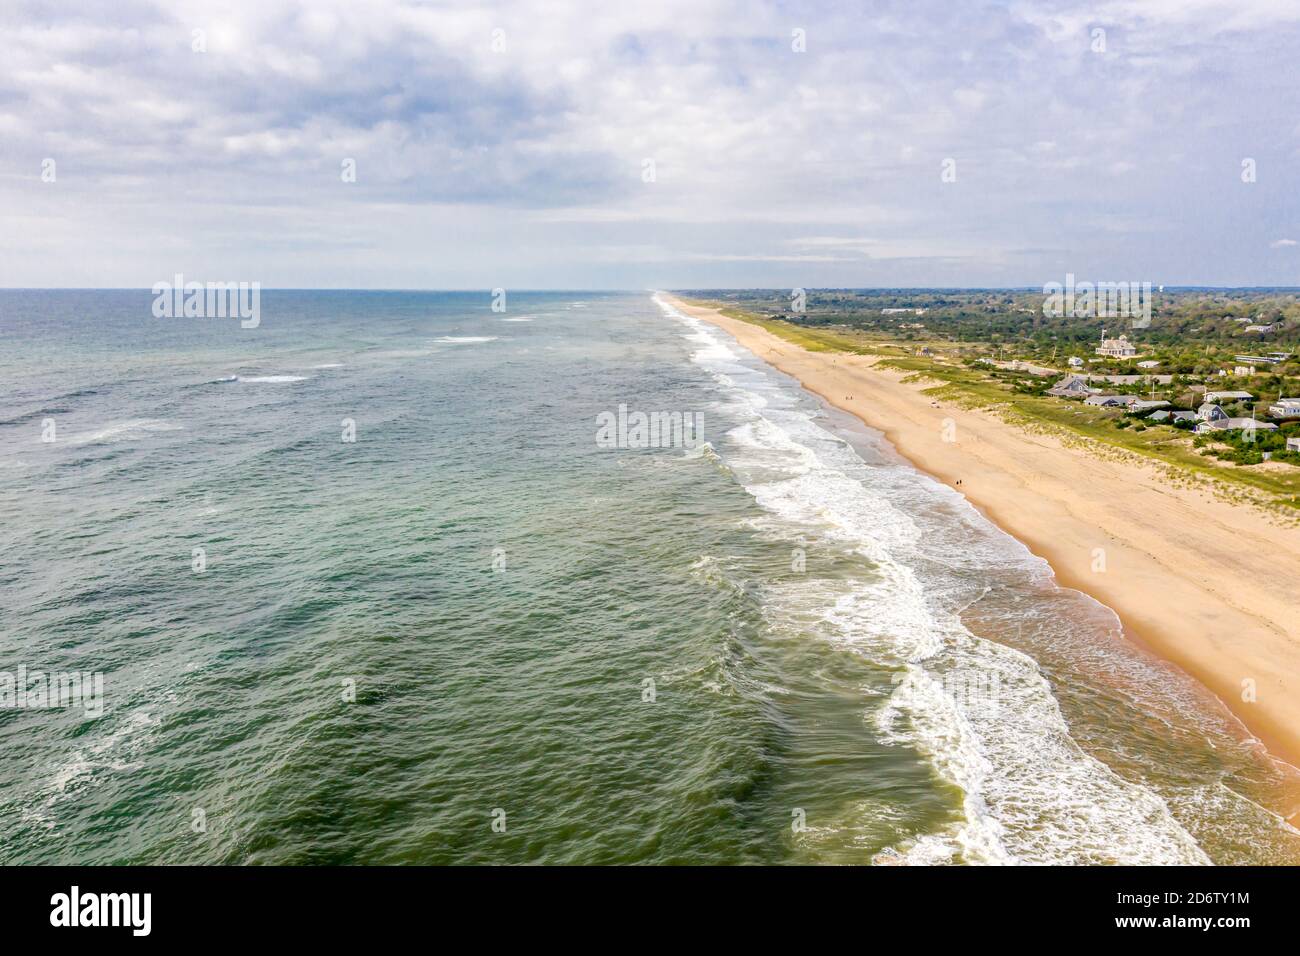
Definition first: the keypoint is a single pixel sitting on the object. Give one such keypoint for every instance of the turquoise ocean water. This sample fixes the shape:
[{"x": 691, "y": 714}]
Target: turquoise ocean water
[{"x": 474, "y": 635}]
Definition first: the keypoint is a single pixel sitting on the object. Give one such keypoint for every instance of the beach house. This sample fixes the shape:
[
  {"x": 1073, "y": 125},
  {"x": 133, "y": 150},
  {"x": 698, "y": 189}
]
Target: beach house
[
  {"x": 1285, "y": 408},
  {"x": 1213, "y": 397},
  {"x": 1212, "y": 418},
  {"x": 1111, "y": 401},
  {"x": 1072, "y": 386},
  {"x": 1146, "y": 404},
  {"x": 1116, "y": 348}
]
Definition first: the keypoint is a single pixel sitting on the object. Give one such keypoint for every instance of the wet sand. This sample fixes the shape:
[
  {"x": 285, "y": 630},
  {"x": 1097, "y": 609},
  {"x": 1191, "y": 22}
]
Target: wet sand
[{"x": 1211, "y": 585}]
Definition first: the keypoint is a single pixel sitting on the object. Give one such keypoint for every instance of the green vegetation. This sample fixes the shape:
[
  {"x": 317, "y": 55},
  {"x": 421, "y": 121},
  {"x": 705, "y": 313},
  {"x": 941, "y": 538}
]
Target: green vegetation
[
  {"x": 1243, "y": 448},
  {"x": 960, "y": 365},
  {"x": 1195, "y": 330}
]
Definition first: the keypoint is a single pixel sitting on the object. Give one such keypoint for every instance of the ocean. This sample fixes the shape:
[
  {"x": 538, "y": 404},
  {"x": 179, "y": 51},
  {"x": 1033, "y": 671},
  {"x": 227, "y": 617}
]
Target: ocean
[{"x": 364, "y": 584}]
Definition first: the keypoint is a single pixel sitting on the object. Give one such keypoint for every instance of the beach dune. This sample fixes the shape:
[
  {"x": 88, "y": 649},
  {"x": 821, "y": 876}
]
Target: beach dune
[{"x": 1210, "y": 585}]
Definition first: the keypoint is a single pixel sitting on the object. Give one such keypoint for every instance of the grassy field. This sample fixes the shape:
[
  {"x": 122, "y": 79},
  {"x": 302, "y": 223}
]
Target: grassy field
[{"x": 1272, "y": 484}]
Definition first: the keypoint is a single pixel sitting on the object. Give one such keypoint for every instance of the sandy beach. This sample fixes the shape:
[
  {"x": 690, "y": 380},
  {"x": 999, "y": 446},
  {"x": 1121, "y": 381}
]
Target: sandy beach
[{"x": 1212, "y": 586}]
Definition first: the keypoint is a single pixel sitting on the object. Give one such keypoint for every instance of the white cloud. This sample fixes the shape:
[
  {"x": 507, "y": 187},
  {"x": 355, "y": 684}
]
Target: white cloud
[{"x": 465, "y": 154}]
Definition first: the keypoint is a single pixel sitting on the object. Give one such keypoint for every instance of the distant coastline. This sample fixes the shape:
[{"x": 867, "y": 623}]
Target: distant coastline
[{"x": 1206, "y": 583}]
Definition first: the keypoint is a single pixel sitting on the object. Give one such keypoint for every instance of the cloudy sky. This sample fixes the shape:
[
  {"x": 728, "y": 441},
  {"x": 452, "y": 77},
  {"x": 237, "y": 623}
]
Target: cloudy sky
[{"x": 679, "y": 143}]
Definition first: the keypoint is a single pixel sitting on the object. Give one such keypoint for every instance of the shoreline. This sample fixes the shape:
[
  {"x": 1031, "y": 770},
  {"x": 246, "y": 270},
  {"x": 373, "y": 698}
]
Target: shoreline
[{"x": 1210, "y": 586}]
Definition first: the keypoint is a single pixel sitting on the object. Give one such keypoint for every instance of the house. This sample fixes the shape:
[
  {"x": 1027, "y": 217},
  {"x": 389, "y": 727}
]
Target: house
[
  {"x": 1234, "y": 424},
  {"x": 1116, "y": 348},
  {"x": 1149, "y": 363},
  {"x": 1243, "y": 371},
  {"x": 1076, "y": 362},
  {"x": 1110, "y": 400},
  {"x": 1293, "y": 444},
  {"x": 1215, "y": 419},
  {"x": 1171, "y": 416},
  {"x": 1146, "y": 405},
  {"x": 1214, "y": 397},
  {"x": 1285, "y": 408},
  {"x": 1072, "y": 386}
]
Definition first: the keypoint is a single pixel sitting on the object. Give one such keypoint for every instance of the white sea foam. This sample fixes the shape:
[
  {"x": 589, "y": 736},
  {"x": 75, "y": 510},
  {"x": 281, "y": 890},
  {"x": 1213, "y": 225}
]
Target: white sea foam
[
  {"x": 133, "y": 428},
  {"x": 1030, "y": 793},
  {"x": 112, "y": 753},
  {"x": 464, "y": 339},
  {"x": 273, "y": 379}
]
